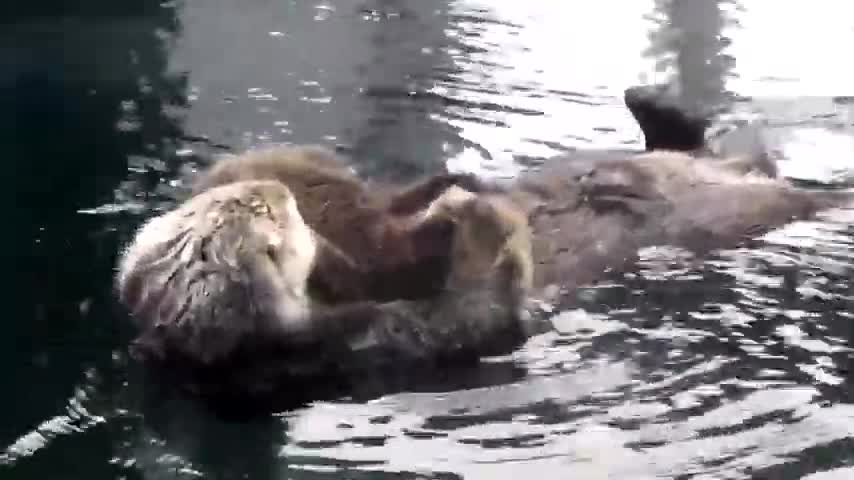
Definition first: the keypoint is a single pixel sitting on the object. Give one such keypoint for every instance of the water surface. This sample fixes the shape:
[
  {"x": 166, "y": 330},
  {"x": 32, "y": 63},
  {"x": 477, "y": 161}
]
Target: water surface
[{"x": 734, "y": 366}]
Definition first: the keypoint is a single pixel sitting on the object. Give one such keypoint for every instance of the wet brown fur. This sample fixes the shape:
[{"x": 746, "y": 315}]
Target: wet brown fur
[
  {"x": 218, "y": 288},
  {"x": 591, "y": 214},
  {"x": 400, "y": 255}
]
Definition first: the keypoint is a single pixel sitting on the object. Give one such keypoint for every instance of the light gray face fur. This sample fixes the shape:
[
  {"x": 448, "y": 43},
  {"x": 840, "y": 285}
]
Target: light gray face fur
[
  {"x": 297, "y": 249},
  {"x": 227, "y": 265}
]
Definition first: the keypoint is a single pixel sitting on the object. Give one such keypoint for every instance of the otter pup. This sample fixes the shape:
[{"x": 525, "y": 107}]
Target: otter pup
[
  {"x": 218, "y": 288},
  {"x": 401, "y": 257}
]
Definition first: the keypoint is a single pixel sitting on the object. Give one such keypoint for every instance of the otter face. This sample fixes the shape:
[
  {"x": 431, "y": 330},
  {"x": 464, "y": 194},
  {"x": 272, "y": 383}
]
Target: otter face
[
  {"x": 295, "y": 247},
  {"x": 286, "y": 251}
]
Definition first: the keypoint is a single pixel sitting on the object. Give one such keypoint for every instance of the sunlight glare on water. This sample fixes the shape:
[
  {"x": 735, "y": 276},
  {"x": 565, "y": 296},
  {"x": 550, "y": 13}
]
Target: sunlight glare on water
[
  {"x": 781, "y": 58},
  {"x": 547, "y": 104}
]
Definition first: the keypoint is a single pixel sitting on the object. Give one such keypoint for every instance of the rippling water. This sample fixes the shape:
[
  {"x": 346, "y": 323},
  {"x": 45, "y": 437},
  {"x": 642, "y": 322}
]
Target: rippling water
[{"x": 732, "y": 366}]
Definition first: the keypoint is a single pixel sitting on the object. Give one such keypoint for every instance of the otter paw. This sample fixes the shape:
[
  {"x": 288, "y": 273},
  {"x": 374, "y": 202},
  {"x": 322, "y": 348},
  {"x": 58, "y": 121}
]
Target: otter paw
[
  {"x": 450, "y": 203},
  {"x": 493, "y": 244},
  {"x": 492, "y": 216}
]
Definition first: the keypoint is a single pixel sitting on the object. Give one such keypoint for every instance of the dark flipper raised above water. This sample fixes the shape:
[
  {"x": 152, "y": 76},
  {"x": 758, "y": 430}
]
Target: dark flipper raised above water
[
  {"x": 591, "y": 213},
  {"x": 665, "y": 122},
  {"x": 669, "y": 124}
]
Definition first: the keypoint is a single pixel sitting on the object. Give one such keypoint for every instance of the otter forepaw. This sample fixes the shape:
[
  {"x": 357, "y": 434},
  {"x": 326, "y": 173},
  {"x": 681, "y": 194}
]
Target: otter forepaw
[
  {"x": 494, "y": 214},
  {"x": 450, "y": 203}
]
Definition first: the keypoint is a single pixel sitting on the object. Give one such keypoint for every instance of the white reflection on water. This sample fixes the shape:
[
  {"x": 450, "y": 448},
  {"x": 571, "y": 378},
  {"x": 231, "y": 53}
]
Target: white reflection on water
[
  {"x": 793, "y": 49},
  {"x": 567, "y": 65}
]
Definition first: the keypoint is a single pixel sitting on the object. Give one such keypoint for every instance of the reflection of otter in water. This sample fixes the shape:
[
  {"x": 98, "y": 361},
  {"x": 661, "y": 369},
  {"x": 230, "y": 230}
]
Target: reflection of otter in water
[{"x": 218, "y": 288}]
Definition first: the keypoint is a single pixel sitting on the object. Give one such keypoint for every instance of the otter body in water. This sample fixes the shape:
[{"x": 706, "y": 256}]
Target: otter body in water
[
  {"x": 377, "y": 227},
  {"x": 219, "y": 290},
  {"x": 590, "y": 211}
]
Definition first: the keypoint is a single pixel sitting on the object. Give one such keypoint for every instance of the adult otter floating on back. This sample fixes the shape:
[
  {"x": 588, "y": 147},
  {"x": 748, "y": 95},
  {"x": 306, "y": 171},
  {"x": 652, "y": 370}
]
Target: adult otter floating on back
[{"x": 591, "y": 211}]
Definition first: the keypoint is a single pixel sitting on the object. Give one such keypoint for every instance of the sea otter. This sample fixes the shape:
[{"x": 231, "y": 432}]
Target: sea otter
[
  {"x": 590, "y": 211},
  {"x": 218, "y": 288},
  {"x": 591, "y": 216},
  {"x": 376, "y": 226}
]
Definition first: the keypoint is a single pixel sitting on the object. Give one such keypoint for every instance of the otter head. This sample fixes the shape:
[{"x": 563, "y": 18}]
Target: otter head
[
  {"x": 292, "y": 244},
  {"x": 277, "y": 232}
]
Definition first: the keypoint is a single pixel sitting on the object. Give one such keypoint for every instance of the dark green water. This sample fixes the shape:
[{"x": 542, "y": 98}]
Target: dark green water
[{"x": 735, "y": 367}]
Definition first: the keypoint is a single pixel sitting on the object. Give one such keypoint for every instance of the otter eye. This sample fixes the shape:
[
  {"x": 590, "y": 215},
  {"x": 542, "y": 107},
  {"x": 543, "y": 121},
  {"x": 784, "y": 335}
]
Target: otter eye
[
  {"x": 586, "y": 175},
  {"x": 273, "y": 253}
]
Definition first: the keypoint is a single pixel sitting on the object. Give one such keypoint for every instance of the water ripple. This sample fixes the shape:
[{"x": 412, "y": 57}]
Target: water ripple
[{"x": 732, "y": 366}]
